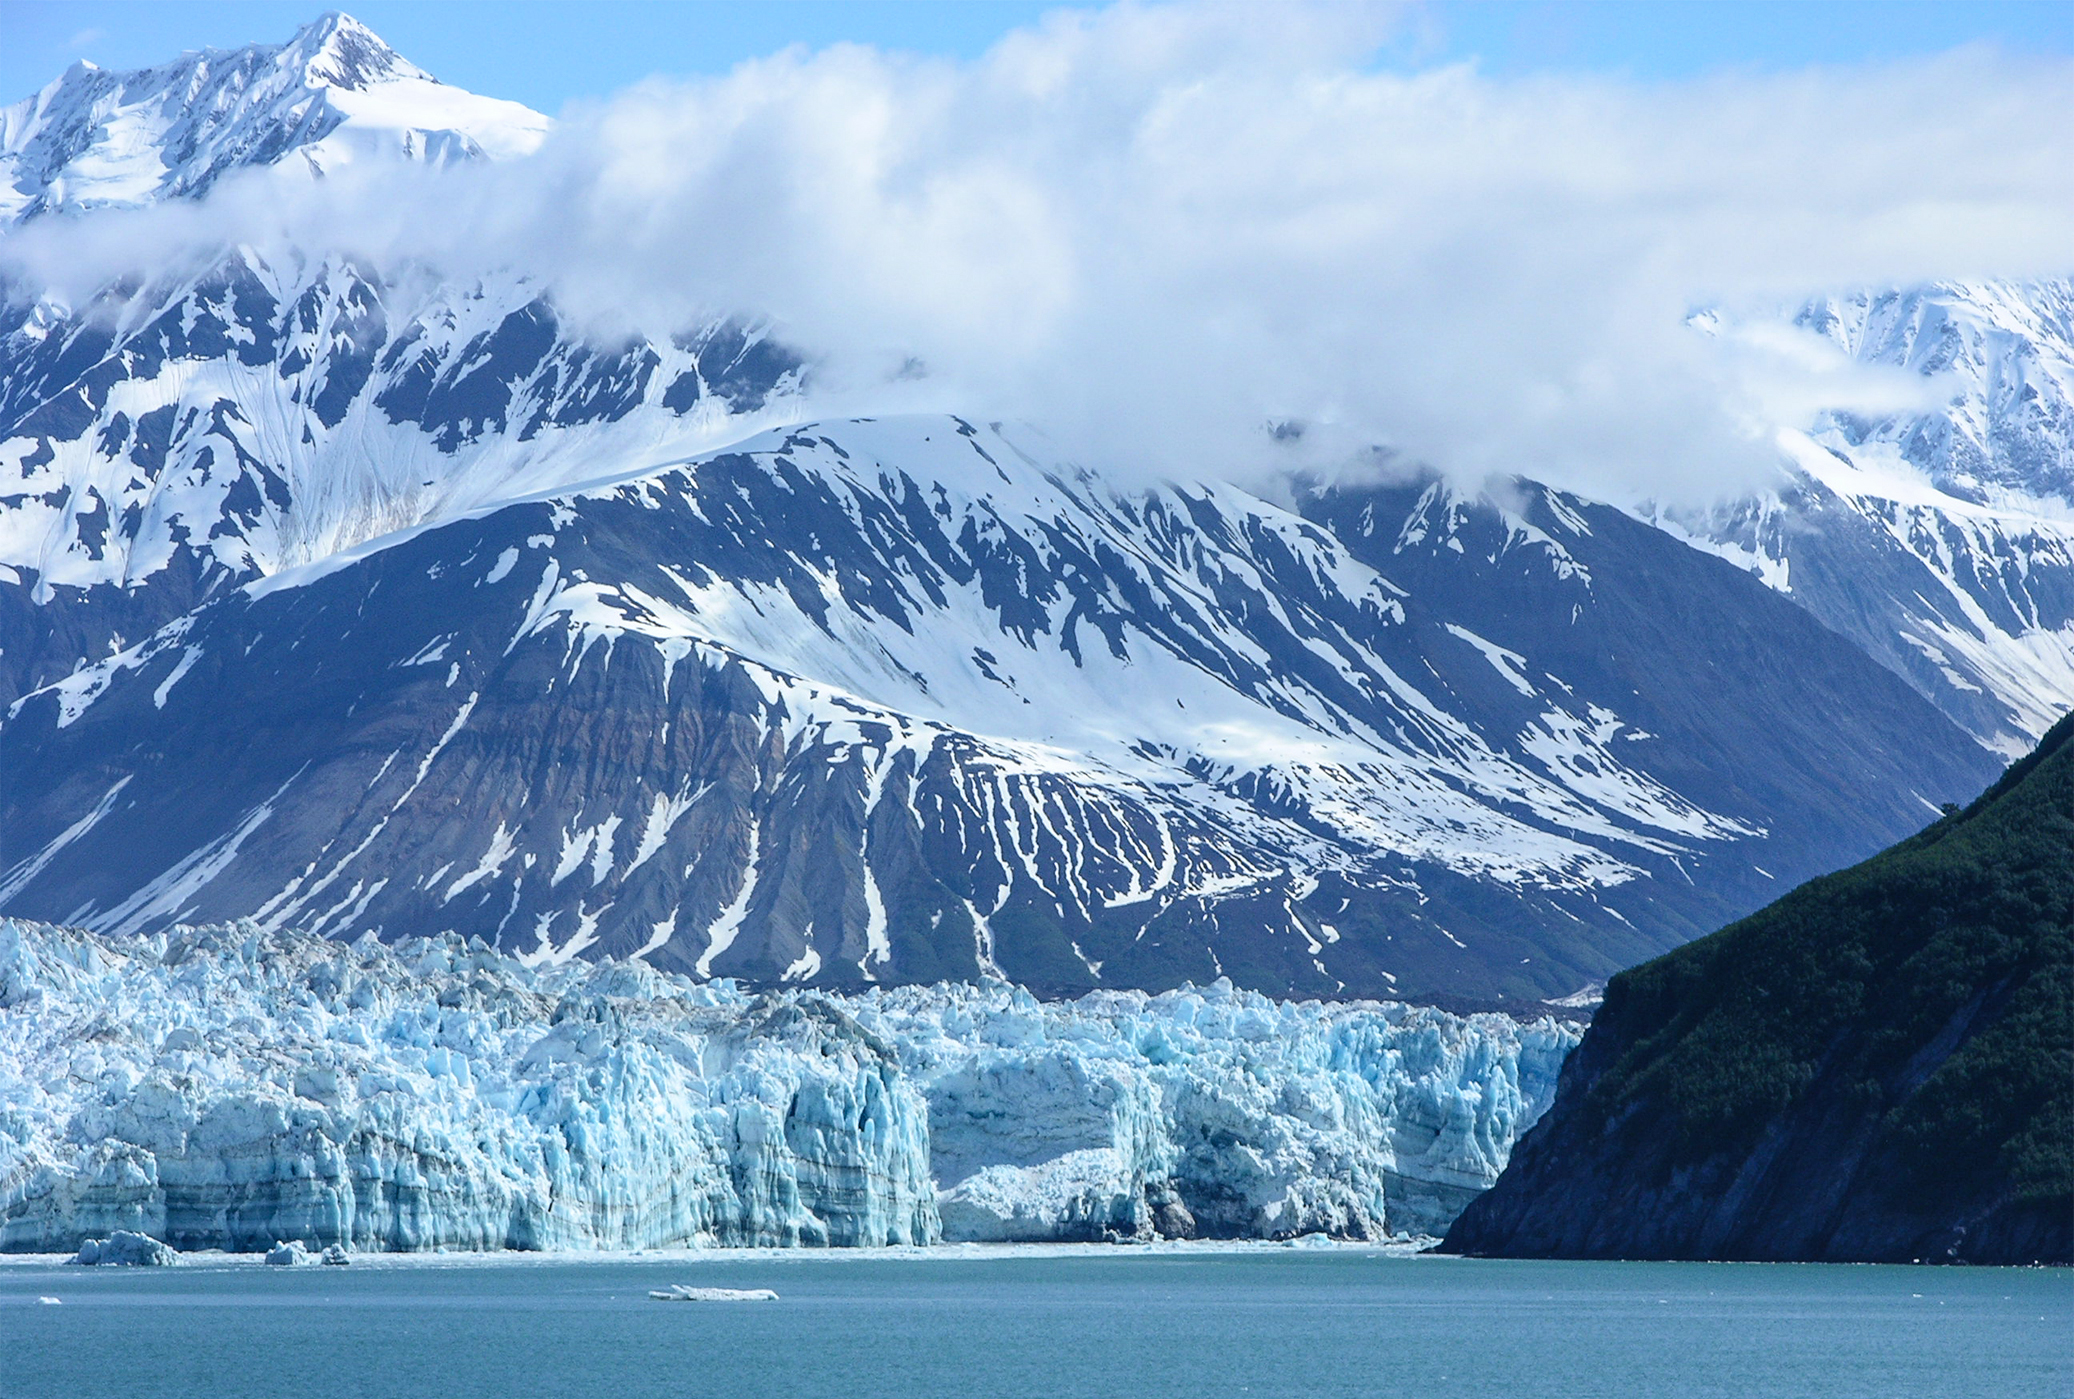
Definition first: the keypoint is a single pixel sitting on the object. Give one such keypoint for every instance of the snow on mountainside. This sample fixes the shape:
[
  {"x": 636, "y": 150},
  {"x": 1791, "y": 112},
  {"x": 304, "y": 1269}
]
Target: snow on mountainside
[
  {"x": 894, "y": 701},
  {"x": 2007, "y": 351},
  {"x": 225, "y": 1088},
  {"x": 1942, "y": 543},
  {"x": 224, "y": 425},
  {"x": 333, "y": 94}
]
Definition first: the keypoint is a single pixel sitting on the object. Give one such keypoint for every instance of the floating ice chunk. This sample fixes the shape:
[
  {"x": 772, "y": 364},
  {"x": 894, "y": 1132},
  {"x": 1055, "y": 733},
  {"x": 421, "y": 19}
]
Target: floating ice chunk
[
  {"x": 335, "y": 1256},
  {"x": 50, "y": 1301},
  {"x": 288, "y": 1255},
  {"x": 682, "y": 1293},
  {"x": 125, "y": 1249}
]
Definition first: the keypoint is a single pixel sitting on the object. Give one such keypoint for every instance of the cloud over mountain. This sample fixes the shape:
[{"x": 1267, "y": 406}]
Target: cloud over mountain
[{"x": 1160, "y": 229}]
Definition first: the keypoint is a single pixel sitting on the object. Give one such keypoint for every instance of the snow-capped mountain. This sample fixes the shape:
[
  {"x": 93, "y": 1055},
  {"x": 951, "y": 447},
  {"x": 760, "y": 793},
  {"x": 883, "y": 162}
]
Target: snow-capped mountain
[
  {"x": 1942, "y": 543},
  {"x": 2006, "y": 352},
  {"x": 312, "y": 610},
  {"x": 898, "y": 700},
  {"x": 333, "y": 94}
]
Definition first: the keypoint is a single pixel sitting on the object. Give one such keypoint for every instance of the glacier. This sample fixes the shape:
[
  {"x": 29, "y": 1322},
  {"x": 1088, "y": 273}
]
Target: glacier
[{"x": 223, "y": 1087}]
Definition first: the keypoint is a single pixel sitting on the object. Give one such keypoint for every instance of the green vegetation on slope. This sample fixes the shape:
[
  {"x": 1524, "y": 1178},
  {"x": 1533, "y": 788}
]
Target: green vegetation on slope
[{"x": 1865, "y": 980}]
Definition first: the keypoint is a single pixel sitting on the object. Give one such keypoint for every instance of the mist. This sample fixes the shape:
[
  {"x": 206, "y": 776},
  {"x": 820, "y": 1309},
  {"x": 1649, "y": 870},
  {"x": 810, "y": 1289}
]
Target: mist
[{"x": 1157, "y": 232}]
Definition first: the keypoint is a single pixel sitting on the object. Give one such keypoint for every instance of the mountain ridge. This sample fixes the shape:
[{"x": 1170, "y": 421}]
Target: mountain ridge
[{"x": 1120, "y": 738}]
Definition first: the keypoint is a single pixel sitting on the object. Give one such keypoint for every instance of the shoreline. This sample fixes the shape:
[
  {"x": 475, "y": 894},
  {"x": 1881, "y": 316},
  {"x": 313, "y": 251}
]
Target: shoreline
[{"x": 217, "y": 1258}]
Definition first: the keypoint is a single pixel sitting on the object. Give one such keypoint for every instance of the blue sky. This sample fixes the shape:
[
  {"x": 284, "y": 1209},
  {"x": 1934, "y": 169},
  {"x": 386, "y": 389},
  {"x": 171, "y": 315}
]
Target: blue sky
[{"x": 546, "y": 52}]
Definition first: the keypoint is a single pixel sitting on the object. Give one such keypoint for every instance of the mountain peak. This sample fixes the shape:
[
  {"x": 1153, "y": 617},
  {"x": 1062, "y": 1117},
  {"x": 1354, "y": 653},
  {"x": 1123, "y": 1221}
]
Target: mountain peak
[
  {"x": 334, "y": 93},
  {"x": 337, "y": 50}
]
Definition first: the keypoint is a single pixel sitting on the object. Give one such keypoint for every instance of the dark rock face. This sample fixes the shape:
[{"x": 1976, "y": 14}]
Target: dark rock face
[
  {"x": 1878, "y": 1068},
  {"x": 886, "y": 702},
  {"x": 1728, "y": 680}
]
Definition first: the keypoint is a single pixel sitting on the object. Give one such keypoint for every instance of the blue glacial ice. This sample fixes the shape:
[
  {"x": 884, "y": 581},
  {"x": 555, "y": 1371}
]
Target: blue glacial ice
[{"x": 225, "y": 1088}]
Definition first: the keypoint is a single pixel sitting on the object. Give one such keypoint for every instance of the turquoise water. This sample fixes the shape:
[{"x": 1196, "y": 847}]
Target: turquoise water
[{"x": 1292, "y": 1322}]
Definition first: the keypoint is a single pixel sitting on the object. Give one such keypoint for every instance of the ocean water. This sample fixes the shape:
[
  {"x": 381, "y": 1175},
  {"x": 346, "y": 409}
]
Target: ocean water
[{"x": 1062, "y": 1322}]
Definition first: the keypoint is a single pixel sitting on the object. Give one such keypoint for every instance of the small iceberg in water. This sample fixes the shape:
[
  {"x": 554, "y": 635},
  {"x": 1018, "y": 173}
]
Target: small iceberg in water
[
  {"x": 125, "y": 1249},
  {"x": 681, "y": 1293}
]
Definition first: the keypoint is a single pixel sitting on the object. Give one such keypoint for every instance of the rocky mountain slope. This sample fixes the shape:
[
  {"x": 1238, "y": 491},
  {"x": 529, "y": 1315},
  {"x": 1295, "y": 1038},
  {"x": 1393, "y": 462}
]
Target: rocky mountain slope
[
  {"x": 167, "y": 441},
  {"x": 1877, "y": 1068},
  {"x": 227, "y": 1088},
  {"x": 889, "y": 701}
]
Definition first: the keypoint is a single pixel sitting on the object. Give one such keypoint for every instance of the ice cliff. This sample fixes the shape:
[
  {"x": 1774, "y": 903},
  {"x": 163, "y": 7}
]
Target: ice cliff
[{"x": 220, "y": 1087}]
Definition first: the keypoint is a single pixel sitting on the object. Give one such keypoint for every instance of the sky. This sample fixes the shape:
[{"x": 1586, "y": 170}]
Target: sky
[
  {"x": 546, "y": 53},
  {"x": 1561, "y": 241}
]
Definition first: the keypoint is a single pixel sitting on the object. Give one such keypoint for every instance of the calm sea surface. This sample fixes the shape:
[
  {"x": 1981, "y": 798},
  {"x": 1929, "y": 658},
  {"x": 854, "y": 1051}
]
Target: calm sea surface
[{"x": 1005, "y": 1324}]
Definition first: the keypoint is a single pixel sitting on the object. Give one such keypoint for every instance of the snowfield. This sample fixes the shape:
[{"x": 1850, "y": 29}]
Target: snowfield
[{"x": 225, "y": 1088}]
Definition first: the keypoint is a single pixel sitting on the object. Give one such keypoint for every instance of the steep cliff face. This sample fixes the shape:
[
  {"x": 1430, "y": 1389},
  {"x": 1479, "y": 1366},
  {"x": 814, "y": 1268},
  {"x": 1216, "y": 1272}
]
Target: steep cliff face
[
  {"x": 1879, "y": 1067},
  {"x": 220, "y": 1089}
]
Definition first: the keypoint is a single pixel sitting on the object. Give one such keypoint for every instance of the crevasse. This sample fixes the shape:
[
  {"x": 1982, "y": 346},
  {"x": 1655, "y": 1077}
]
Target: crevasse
[{"x": 220, "y": 1087}]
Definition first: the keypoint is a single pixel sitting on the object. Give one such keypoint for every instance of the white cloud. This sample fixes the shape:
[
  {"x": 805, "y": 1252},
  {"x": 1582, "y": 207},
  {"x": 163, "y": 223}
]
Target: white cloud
[{"x": 1154, "y": 230}]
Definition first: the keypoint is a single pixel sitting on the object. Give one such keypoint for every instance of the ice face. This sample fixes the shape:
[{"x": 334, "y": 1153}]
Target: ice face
[
  {"x": 1211, "y": 1112},
  {"x": 225, "y": 1088}
]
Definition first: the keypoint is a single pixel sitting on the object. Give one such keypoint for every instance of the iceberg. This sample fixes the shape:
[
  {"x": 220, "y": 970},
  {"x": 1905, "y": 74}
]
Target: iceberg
[
  {"x": 126, "y": 1249},
  {"x": 681, "y": 1292},
  {"x": 289, "y": 1255},
  {"x": 224, "y": 1087}
]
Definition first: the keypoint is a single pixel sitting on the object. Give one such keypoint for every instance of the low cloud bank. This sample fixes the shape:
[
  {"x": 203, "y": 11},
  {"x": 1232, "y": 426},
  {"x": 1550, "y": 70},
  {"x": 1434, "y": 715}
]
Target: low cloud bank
[{"x": 1156, "y": 231}]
